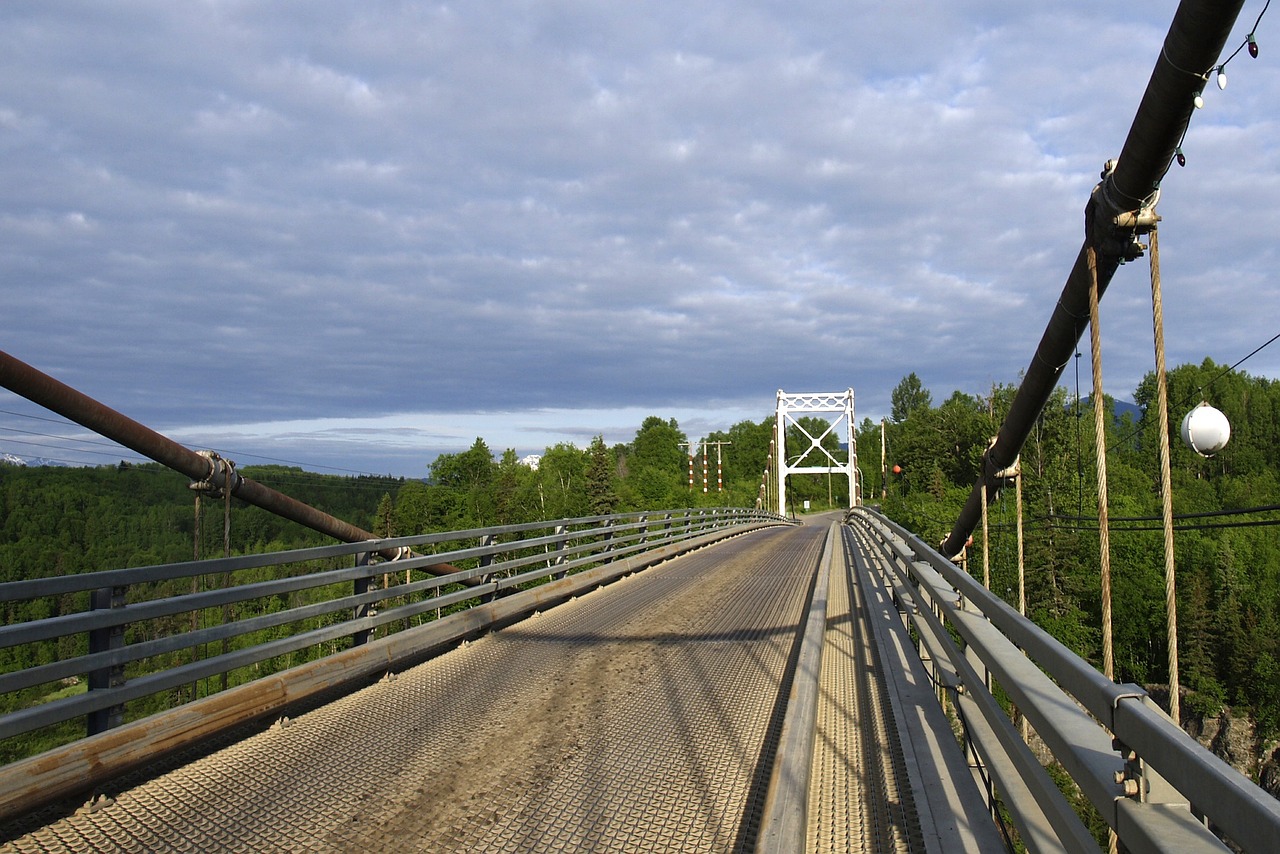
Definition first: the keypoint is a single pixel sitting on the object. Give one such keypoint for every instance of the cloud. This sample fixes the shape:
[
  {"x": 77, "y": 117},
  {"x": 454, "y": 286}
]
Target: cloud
[{"x": 218, "y": 213}]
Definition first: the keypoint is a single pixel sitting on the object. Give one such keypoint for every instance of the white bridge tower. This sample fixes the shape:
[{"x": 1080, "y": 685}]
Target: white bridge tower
[{"x": 790, "y": 405}]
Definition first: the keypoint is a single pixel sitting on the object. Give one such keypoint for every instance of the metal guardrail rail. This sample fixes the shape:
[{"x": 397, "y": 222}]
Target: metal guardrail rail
[
  {"x": 1155, "y": 786},
  {"x": 358, "y": 621}
]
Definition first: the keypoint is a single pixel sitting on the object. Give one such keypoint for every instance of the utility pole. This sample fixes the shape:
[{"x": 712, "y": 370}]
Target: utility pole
[
  {"x": 719, "y": 463},
  {"x": 884, "y": 472},
  {"x": 690, "y": 446}
]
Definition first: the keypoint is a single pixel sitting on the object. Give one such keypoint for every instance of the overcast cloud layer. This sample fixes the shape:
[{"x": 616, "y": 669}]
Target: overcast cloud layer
[{"x": 359, "y": 234}]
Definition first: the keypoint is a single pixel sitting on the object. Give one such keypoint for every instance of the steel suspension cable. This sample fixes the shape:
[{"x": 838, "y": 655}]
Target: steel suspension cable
[
  {"x": 986, "y": 542},
  {"x": 1100, "y": 451},
  {"x": 1100, "y": 446},
  {"x": 1166, "y": 480},
  {"x": 1120, "y": 206}
]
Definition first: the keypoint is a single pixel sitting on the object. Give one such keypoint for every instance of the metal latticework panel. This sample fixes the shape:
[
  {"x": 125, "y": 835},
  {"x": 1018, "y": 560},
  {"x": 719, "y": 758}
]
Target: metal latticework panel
[{"x": 792, "y": 405}]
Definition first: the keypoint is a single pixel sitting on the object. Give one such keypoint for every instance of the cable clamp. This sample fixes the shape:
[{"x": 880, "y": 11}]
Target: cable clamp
[{"x": 222, "y": 475}]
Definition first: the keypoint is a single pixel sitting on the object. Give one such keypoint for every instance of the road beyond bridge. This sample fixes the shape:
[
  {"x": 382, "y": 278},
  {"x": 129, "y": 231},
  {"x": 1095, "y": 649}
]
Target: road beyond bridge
[{"x": 644, "y": 716}]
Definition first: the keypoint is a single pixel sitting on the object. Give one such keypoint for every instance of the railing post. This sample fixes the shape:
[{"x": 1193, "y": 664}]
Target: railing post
[
  {"x": 361, "y": 586},
  {"x": 487, "y": 540},
  {"x": 561, "y": 533},
  {"x": 608, "y": 537},
  {"x": 101, "y": 640}
]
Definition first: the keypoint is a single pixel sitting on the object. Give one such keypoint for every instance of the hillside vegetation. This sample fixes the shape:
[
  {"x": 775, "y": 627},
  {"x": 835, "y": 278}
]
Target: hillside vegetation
[
  {"x": 60, "y": 520},
  {"x": 1227, "y": 543}
]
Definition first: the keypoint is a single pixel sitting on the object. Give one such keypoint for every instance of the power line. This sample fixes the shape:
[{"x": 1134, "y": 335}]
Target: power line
[
  {"x": 1140, "y": 427},
  {"x": 1242, "y": 511},
  {"x": 1255, "y": 523},
  {"x": 1074, "y": 522},
  {"x": 230, "y": 453},
  {"x": 1226, "y": 371}
]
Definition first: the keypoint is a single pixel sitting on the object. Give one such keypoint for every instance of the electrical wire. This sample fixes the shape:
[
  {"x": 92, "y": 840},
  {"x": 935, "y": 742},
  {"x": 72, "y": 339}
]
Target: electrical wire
[
  {"x": 1242, "y": 511},
  {"x": 1255, "y": 523},
  {"x": 1251, "y": 33},
  {"x": 138, "y": 458},
  {"x": 1073, "y": 523},
  {"x": 1226, "y": 371},
  {"x": 1221, "y": 68},
  {"x": 72, "y": 449},
  {"x": 1140, "y": 427}
]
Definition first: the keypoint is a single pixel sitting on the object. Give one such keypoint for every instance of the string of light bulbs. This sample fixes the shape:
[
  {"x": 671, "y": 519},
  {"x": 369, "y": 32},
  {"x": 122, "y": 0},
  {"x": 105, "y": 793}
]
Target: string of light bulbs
[{"x": 1219, "y": 73}]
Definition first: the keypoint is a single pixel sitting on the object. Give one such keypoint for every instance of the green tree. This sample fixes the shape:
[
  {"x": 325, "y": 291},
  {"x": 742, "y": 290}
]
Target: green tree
[
  {"x": 509, "y": 490},
  {"x": 561, "y": 483},
  {"x": 419, "y": 508},
  {"x": 469, "y": 476},
  {"x": 602, "y": 496},
  {"x": 655, "y": 464},
  {"x": 384, "y": 517},
  {"x": 657, "y": 444},
  {"x": 907, "y": 397}
]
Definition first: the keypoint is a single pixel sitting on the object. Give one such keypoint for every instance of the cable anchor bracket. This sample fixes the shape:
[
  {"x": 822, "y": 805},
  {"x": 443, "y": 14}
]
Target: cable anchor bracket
[
  {"x": 222, "y": 475},
  {"x": 1115, "y": 224}
]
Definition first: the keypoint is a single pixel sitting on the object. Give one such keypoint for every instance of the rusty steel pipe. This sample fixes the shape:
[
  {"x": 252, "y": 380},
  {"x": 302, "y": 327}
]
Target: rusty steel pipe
[
  {"x": 1191, "y": 48},
  {"x": 42, "y": 389}
]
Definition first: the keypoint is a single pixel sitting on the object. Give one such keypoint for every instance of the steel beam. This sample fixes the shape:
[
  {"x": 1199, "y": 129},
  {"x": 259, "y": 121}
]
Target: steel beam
[
  {"x": 40, "y": 388},
  {"x": 1191, "y": 48}
]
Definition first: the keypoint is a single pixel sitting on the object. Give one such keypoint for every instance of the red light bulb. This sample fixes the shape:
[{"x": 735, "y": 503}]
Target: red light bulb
[
  {"x": 1182, "y": 158},
  {"x": 1253, "y": 46}
]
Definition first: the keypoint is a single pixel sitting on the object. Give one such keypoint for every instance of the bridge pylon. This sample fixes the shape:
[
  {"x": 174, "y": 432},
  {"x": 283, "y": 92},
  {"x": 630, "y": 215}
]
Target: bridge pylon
[{"x": 792, "y": 405}]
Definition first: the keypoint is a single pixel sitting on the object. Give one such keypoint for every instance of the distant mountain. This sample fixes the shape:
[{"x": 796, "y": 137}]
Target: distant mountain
[
  {"x": 10, "y": 459},
  {"x": 1119, "y": 411}
]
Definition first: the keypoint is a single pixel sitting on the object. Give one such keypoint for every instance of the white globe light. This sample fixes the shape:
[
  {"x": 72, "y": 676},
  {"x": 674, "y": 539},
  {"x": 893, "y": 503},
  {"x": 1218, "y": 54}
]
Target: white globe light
[{"x": 1205, "y": 430}]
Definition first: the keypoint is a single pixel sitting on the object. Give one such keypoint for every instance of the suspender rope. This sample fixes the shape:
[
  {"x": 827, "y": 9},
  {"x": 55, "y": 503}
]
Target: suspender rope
[
  {"x": 1100, "y": 444},
  {"x": 1166, "y": 487},
  {"x": 986, "y": 556}
]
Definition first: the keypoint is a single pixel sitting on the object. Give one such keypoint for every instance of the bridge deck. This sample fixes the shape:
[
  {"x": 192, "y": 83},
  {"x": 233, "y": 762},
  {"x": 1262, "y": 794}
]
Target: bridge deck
[{"x": 641, "y": 717}]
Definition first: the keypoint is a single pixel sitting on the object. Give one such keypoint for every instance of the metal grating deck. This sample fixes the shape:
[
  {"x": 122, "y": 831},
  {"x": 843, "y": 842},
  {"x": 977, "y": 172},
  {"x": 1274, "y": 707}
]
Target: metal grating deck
[
  {"x": 640, "y": 717},
  {"x": 859, "y": 796}
]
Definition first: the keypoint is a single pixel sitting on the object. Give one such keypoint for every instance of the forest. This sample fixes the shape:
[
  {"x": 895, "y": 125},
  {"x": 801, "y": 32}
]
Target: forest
[
  {"x": 1227, "y": 544},
  {"x": 68, "y": 520}
]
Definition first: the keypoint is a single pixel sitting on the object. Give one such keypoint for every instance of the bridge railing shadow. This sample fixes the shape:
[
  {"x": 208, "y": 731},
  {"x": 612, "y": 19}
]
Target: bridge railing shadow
[
  {"x": 124, "y": 665},
  {"x": 1155, "y": 786}
]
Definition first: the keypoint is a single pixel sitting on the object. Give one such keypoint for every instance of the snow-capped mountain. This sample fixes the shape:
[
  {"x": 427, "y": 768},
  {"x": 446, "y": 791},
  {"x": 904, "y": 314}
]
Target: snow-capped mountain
[{"x": 11, "y": 459}]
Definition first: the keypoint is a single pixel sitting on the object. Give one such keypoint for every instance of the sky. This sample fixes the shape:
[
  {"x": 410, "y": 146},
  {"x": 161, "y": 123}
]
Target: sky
[{"x": 354, "y": 236}]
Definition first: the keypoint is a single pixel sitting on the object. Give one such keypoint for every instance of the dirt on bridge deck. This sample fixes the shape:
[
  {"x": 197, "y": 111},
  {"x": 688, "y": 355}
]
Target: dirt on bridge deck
[{"x": 639, "y": 717}]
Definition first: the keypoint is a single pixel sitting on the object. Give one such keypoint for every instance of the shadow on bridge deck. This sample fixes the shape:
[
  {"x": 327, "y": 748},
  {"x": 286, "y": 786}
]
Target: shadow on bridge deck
[{"x": 640, "y": 717}]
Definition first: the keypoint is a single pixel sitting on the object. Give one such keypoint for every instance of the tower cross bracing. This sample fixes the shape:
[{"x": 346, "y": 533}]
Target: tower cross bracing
[{"x": 790, "y": 406}]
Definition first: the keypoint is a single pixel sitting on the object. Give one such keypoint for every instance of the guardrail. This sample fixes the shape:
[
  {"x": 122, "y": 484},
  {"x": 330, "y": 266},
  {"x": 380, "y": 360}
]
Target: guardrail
[
  {"x": 272, "y": 629},
  {"x": 1150, "y": 781}
]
